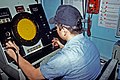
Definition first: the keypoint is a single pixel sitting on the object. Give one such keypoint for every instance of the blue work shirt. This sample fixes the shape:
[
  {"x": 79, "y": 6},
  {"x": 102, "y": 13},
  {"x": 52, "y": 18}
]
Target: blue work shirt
[{"x": 78, "y": 60}]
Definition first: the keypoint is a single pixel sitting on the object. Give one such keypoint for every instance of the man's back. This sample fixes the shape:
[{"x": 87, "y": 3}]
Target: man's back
[{"x": 78, "y": 60}]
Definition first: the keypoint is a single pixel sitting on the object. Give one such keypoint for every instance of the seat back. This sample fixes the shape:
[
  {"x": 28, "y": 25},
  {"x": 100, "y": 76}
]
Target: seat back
[{"x": 109, "y": 70}]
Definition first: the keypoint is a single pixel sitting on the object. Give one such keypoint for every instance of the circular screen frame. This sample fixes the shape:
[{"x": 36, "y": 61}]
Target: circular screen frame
[{"x": 15, "y": 21}]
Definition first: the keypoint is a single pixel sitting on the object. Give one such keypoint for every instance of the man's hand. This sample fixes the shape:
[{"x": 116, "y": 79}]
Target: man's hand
[
  {"x": 12, "y": 49},
  {"x": 57, "y": 43}
]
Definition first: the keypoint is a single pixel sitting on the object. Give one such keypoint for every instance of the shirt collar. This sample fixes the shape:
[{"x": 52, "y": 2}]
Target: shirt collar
[{"x": 72, "y": 40}]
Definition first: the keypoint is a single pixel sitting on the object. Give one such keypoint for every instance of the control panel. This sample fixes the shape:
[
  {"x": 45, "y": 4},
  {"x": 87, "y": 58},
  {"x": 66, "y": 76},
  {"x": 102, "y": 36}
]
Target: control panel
[
  {"x": 31, "y": 33},
  {"x": 5, "y": 15}
]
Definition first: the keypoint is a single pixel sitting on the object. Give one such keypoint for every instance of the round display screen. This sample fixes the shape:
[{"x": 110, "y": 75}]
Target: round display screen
[{"x": 26, "y": 29}]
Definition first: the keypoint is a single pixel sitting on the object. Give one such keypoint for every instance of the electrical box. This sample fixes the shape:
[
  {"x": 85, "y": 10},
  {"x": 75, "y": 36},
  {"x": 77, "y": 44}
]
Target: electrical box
[{"x": 93, "y": 6}]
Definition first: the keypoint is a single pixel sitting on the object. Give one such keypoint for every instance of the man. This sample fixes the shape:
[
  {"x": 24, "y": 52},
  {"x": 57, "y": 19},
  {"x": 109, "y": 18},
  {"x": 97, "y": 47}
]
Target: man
[{"x": 78, "y": 59}]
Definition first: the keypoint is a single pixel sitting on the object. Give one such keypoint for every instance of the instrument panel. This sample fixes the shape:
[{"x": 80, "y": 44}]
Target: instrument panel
[{"x": 31, "y": 32}]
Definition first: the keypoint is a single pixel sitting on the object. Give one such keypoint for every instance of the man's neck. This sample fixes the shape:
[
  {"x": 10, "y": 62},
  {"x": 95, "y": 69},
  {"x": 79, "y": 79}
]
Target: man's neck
[{"x": 70, "y": 36}]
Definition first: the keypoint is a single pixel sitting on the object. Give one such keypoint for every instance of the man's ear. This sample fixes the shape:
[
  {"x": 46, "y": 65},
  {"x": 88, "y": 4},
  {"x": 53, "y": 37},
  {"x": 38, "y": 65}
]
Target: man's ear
[{"x": 65, "y": 31}]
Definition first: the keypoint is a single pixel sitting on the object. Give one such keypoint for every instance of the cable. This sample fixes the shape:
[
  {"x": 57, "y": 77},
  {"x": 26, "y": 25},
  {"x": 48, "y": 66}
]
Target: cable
[
  {"x": 36, "y": 1},
  {"x": 84, "y": 5}
]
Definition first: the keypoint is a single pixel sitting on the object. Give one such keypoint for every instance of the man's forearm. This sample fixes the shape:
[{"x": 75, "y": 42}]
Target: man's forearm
[{"x": 31, "y": 72}]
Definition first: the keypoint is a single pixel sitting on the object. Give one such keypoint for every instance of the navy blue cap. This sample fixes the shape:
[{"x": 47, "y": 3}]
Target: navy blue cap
[{"x": 67, "y": 15}]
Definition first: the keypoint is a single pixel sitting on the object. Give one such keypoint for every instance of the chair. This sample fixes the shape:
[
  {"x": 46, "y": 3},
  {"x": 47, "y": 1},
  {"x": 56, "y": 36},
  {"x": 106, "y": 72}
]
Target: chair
[{"x": 109, "y": 70}]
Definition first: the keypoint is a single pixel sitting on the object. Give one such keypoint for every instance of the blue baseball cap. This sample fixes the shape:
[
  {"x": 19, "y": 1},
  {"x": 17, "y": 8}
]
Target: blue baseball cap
[{"x": 67, "y": 15}]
